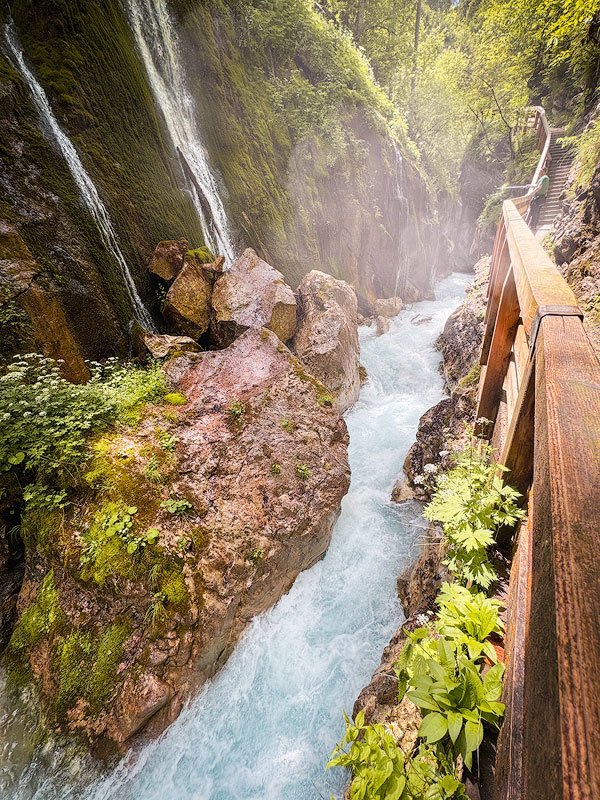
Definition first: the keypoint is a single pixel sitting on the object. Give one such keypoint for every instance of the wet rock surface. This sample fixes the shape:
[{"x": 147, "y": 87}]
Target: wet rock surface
[
  {"x": 240, "y": 484},
  {"x": 327, "y": 337},
  {"x": 164, "y": 345},
  {"x": 187, "y": 306},
  {"x": 251, "y": 294},
  {"x": 168, "y": 258}
]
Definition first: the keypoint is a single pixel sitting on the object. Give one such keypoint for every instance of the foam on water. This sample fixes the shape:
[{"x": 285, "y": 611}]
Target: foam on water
[{"x": 264, "y": 727}]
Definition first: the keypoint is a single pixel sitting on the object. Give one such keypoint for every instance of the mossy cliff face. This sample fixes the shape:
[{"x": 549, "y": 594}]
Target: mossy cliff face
[
  {"x": 313, "y": 166},
  {"x": 84, "y": 57},
  {"x": 317, "y": 169},
  {"x": 185, "y": 525}
]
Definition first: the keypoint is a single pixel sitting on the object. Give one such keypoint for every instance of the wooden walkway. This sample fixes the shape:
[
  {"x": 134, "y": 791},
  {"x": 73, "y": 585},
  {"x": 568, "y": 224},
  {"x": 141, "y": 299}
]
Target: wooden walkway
[{"x": 540, "y": 388}]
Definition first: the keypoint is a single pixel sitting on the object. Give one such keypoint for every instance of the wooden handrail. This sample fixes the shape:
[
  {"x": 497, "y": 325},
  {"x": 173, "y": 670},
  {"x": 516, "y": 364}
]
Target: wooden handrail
[
  {"x": 540, "y": 387},
  {"x": 544, "y": 133}
]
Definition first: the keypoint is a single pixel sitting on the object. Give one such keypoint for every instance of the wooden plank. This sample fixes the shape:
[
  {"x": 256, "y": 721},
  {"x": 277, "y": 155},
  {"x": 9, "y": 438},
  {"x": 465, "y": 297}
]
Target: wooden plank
[
  {"x": 501, "y": 270},
  {"x": 517, "y": 454},
  {"x": 503, "y": 336},
  {"x": 539, "y": 284},
  {"x": 508, "y": 782},
  {"x": 521, "y": 351},
  {"x": 562, "y": 659},
  {"x": 511, "y": 386}
]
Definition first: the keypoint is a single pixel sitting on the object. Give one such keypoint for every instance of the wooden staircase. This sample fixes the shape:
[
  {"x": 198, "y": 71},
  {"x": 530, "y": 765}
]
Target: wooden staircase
[{"x": 559, "y": 165}]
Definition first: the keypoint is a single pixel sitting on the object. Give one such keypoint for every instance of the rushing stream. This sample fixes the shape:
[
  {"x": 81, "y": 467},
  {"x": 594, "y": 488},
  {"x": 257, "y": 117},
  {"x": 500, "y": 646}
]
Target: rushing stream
[{"x": 264, "y": 727}]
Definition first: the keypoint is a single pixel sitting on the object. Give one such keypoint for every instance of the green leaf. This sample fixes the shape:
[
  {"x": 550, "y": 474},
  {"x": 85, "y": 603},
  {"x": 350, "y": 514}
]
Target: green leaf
[
  {"x": 473, "y": 735},
  {"x": 132, "y": 547},
  {"x": 455, "y": 723},
  {"x": 433, "y": 728}
]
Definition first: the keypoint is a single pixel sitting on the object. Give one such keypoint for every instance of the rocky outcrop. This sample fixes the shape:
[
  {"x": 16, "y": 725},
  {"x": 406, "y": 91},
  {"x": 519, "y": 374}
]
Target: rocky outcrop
[
  {"x": 382, "y": 325},
  {"x": 162, "y": 345},
  {"x": 327, "y": 337},
  {"x": 188, "y": 525},
  {"x": 442, "y": 427},
  {"x": 387, "y": 307},
  {"x": 167, "y": 259},
  {"x": 251, "y": 295},
  {"x": 577, "y": 250},
  {"x": 187, "y": 307}
]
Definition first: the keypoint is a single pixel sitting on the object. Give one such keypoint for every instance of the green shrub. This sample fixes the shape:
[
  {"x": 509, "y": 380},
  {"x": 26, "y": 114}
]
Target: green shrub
[
  {"x": 472, "y": 503},
  {"x": 45, "y": 420}
]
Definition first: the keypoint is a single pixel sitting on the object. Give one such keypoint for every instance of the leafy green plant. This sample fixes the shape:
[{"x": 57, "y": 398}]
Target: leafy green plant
[
  {"x": 469, "y": 619},
  {"x": 177, "y": 507},
  {"x": 381, "y": 771},
  {"x": 376, "y": 761},
  {"x": 256, "y": 555},
  {"x": 236, "y": 412},
  {"x": 446, "y": 686},
  {"x": 166, "y": 440},
  {"x": 157, "y": 611},
  {"x": 38, "y": 496},
  {"x": 136, "y": 543},
  {"x": 472, "y": 503},
  {"x": 45, "y": 420},
  {"x": 325, "y": 400},
  {"x": 275, "y": 469},
  {"x": 302, "y": 472},
  {"x": 152, "y": 470}
]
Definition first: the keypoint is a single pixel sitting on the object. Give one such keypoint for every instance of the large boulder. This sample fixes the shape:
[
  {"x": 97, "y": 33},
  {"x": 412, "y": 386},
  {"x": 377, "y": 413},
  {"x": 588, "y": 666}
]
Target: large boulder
[
  {"x": 327, "y": 337},
  {"x": 187, "y": 305},
  {"x": 387, "y": 307},
  {"x": 168, "y": 257},
  {"x": 251, "y": 294},
  {"x": 162, "y": 345},
  {"x": 201, "y": 516}
]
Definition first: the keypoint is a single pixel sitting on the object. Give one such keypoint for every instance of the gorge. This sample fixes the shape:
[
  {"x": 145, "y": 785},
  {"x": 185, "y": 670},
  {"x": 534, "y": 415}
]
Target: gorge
[{"x": 284, "y": 284}]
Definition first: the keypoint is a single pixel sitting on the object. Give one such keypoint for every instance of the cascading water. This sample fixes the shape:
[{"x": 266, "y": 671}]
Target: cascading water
[
  {"x": 89, "y": 193},
  {"x": 264, "y": 727},
  {"x": 402, "y": 217},
  {"x": 159, "y": 48}
]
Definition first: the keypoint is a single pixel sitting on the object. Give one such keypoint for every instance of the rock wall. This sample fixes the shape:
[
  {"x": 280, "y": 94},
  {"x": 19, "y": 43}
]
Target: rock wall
[
  {"x": 184, "y": 526},
  {"x": 314, "y": 168}
]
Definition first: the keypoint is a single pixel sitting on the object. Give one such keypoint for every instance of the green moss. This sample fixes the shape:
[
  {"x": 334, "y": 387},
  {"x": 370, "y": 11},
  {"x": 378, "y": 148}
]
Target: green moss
[
  {"x": 202, "y": 255},
  {"x": 175, "y": 399},
  {"x": 40, "y": 528},
  {"x": 86, "y": 663},
  {"x": 42, "y": 617},
  {"x": 173, "y": 587},
  {"x": 471, "y": 379}
]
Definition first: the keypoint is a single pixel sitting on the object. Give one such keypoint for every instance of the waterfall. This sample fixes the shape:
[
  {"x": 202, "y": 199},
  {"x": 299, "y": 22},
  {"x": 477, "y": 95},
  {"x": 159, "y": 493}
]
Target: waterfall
[
  {"x": 159, "y": 48},
  {"x": 89, "y": 193},
  {"x": 403, "y": 215}
]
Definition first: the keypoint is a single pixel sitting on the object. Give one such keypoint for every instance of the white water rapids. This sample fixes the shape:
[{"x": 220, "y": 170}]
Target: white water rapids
[
  {"x": 159, "y": 47},
  {"x": 87, "y": 189},
  {"x": 264, "y": 727}
]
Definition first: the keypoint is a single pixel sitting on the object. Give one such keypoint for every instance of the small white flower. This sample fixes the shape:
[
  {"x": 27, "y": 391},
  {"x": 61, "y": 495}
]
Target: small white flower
[
  {"x": 444, "y": 453},
  {"x": 418, "y": 479},
  {"x": 430, "y": 468}
]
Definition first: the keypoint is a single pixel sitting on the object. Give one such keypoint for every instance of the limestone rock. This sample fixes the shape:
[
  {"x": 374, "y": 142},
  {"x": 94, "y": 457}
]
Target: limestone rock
[
  {"x": 262, "y": 467},
  {"x": 162, "y": 345},
  {"x": 327, "y": 337},
  {"x": 187, "y": 305},
  {"x": 388, "y": 307},
  {"x": 383, "y": 325},
  {"x": 168, "y": 258},
  {"x": 251, "y": 294}
]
